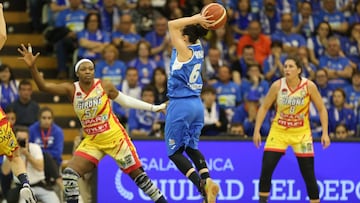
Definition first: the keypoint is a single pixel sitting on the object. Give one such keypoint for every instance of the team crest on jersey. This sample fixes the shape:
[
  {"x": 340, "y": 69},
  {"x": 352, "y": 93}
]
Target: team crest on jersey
[
  {"x": 284, "y": 91},
  {"x": 78, "y": 94}
]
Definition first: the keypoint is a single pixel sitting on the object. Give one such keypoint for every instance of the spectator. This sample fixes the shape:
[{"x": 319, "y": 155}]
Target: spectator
[
  {"x": 54, "y": 8},
  {"x": 222, "y": 39},
  {"x": 270, "y": 17},
  {"x": 334, "y": 17},
  {"x": 240, "y": 66},
  {"x": 109, "y": 67},
  {"x": 144, "y": 16},
  {"x": 355, "y": 17},
  {"x": 246, "y": 114},
  {"x": 337, "y": 66},
  {"x": 237, "y": 130},
  {"x": 291, "y": 41},
  {"x": 48, "y": 135},
  {"x": 26, "y": 109},
  {"x": 254, "y": 81},
  {"x": 304, "y": 21},
  {"x": 338, "y": 113},
  {"x": 215, "y": 121},
  {"x": 158, "y": 39},
  {"x": 228, "y": 93},
  {"x": 351, "y": 45},
  {"x": 143, "y": 63},
  {"x": 326, "y": 90},
  {"x": 33, "y": 157},
  {"x": 8, "y": 86},
  {"x": 309, "y": 69},
  {"x": 241, "y": 18},
  {"x": 257, "y": 39},
  {"x": 317, "y": 43},
  {"x": 353, "y": 93},
  {"x": 273, "y": 65},
  {"x": 125, "y": 38},
  {"x": 130, "y": 86},
  {"x": 109, "y": 15},
  {"x": 341, "y": 132},
  {"x": 212, "y": 63},
  {"x": 159, "y": 82},
  {"x": 146, "y": 123},
  {"x": 68, "y": 23},
  {"x": 92, "y": 39},
  {"x": 172, "y": 10}
]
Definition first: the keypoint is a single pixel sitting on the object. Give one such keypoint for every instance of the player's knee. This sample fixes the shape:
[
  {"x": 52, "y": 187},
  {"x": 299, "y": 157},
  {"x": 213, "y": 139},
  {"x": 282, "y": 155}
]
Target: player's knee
[
  {"x": 177, "y": 154},
  {"x": 70, "y": 182}
]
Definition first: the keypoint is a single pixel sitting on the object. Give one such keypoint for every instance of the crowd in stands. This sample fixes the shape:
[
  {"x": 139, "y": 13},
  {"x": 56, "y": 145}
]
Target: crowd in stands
[{"x": 130, "y": 46}]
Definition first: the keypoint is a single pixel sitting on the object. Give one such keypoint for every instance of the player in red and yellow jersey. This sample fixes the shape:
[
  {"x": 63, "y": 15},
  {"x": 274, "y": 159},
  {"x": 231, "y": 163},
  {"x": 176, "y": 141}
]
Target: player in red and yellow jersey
[
  {"x": 103, "y": 133},
  {"x": 292, "y": 95},
  {"x": 8, "y": 144}
]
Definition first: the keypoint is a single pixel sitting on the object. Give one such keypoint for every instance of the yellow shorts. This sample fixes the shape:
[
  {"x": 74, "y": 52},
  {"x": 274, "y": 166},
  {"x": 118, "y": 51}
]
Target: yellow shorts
[
  {"x": 8, "y": 143},
  {"x": 115, "y": 143},
  {"x": 302, "y": 144}
]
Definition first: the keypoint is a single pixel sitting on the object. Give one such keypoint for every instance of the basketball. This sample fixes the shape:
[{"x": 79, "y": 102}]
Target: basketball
[{"x": 218, "y": 13}]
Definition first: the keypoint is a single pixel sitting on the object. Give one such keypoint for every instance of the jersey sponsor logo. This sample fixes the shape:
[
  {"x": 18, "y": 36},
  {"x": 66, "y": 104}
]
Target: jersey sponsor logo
[
  {"x": 95, "y": 120},
  {"x": 4, "y": 137},
  {"x": 97, "y": 129},
  {"x": 199, "y": 54},
  {"x": 286, "y": 123}
]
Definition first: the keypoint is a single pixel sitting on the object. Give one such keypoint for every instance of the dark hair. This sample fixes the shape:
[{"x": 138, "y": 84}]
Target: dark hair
[
  {"x": 158, "y": 69},
  {"x": 342, "y": 91},
  {"x": 9, "y": 109},
  {"x": 20, "y": 128},
  {"x": 276, "y": 44},
  {"x": 297, "y": 61},
  {"x": 44, "y": 109},
  {"x": 148, "y": 88},
  {"x": 87, "y": 19},
  {"x": 326, "y": 23},
  {"x": 194, "y": 32},
  {"x": 209, "y": 89},
  {"x": 24, "y": 82},
  {"x": 352, "y": 26},
  {"x": 131, "y": 68},
  {"x": 6, "y": 66}
]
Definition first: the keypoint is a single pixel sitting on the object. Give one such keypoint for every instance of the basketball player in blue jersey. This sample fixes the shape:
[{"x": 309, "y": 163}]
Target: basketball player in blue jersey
[{"x": 185, "y": 112}]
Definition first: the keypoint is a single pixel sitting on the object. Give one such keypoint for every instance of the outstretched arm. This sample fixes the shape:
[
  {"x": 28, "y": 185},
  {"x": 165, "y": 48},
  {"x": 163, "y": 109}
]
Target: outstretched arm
[
  {"x": 52, "y": 88},
  {"x": 3, "y": 35},
  {"x": 128, "y": 101}
]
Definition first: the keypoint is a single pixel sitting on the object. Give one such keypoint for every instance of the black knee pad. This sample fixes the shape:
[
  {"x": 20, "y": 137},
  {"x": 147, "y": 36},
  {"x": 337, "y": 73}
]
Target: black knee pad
[
  {"x": 197, "y": 157},
  {"x": 70, "y": 182}
]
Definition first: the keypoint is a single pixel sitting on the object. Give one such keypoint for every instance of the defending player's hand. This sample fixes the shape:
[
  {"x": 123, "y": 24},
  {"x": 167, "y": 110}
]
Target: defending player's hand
[
  {"x": 157, "y": 108},
  {"x": 325, "y": 141},
  {"x": 27, "y": 54},
  {"x": 257, "y": 139}
]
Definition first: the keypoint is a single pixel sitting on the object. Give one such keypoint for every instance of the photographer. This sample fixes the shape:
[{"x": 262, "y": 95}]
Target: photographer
[{"x": 33, "y": 157}]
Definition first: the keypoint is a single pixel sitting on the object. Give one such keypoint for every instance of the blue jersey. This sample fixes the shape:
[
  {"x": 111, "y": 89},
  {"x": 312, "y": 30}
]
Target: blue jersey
[{"x": 185, "y": 77}]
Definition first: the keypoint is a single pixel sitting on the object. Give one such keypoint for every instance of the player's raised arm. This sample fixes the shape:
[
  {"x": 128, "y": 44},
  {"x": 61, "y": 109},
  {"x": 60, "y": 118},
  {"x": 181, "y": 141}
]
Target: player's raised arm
[
  {"x": 3, "y": 35},
  {"x": 176, "y": 33},
  {"x": 52, "y": 88}
]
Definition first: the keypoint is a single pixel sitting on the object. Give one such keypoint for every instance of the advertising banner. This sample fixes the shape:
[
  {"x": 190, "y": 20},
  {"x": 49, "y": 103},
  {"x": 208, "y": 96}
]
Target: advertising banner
[{"x": 236, "y": 165}]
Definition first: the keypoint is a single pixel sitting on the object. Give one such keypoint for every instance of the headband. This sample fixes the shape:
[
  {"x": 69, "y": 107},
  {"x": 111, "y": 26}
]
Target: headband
[{"x": 77, "y": 65}]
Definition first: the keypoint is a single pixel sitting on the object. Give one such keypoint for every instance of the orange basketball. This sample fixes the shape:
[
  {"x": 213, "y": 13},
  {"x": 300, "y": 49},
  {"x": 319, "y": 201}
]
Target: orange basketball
[{"x": 218, "y": 13}]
